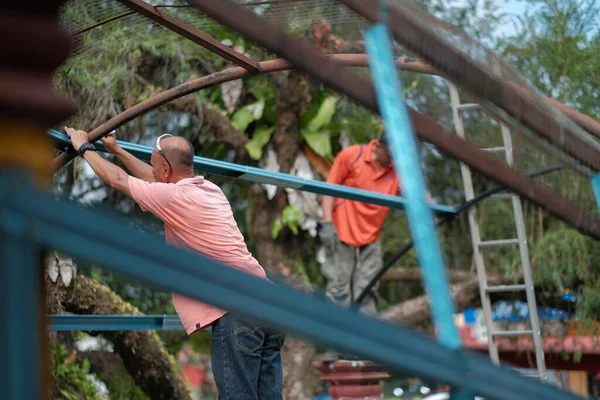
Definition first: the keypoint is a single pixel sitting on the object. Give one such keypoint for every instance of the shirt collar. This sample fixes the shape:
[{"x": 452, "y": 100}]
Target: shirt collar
[{"x": 196, "y": 180}]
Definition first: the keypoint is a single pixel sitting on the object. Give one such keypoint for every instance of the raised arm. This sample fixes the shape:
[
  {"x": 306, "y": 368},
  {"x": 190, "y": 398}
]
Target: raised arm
[
  {"x": 110, "y": 174},
  {"x": 137, "y": 167}
]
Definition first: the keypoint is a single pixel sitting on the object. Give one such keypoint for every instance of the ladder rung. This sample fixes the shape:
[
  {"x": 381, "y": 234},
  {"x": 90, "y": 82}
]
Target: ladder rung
[
  {"x": 502, "y": 196},
  {"x": 493, "y": 149},
  {"x": 527, "y": 374},
  {"x": 467, "y": 106},
  {"x": 512, "y": 333},
  {"x": 530, "y": 375},
  {"x": 495, "y": 243},
  {"x": 505, "y": 288}
]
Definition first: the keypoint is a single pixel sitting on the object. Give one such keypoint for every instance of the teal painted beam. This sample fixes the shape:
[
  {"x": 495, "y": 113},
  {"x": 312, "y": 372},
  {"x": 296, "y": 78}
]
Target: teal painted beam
[
  {"x": 113, "y": 322},
  {"x": 258, "y": 175},
  {"x": 405, "y": 156},
  {"x": 596, "y": 188}
]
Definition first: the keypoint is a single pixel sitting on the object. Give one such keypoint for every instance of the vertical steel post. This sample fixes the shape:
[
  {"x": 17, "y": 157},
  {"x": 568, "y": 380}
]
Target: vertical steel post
[
  {"x": 20, "y": 288},
  {"x": 405, "y": 154},
  {"x": 33, "y": 45},
  {"x": 596, "y": 188}
]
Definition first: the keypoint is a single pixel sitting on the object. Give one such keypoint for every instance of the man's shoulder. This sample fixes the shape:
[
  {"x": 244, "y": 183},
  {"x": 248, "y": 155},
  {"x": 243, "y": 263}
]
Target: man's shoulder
[{"x": 351, "y": 151}]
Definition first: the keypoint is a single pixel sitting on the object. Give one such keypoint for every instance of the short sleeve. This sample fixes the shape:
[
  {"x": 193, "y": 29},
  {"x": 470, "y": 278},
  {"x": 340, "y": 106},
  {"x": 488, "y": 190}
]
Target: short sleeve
[
  {"x": 339, "y": 169},
  {"x": 151, "y": 196}
]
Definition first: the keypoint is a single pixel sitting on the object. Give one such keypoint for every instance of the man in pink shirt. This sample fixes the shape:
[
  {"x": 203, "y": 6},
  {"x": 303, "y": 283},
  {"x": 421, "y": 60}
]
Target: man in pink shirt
[{"x": 197, "y": 216}]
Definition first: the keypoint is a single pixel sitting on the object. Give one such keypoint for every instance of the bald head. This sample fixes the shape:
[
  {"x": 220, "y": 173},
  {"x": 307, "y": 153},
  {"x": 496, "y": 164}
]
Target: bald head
[{"x": 180, "y": 153}]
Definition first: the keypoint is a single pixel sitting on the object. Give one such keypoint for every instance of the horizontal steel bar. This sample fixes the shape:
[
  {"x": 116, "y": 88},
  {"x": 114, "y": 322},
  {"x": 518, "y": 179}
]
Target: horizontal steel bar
[
  {"x": 258, "y": 175},
  {"x": 113, "y": 322},
  {"x": 505, "y": 288},
  {"x": 520, "y": 332},
  {"x": 497, "y": 243},
  {"x": 86, "y": 235}
]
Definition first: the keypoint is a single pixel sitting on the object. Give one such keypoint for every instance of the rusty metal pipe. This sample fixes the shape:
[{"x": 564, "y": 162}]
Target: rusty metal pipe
[
  {"x": 190, "y": 32},
  {"x": 336, "y": 76},
  {"x": 226, "y": 75},
  {"x": 458, "y": 68}
]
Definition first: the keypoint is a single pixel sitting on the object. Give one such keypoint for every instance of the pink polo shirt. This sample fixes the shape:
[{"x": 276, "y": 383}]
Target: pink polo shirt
[{"x": 197, "y": 216}]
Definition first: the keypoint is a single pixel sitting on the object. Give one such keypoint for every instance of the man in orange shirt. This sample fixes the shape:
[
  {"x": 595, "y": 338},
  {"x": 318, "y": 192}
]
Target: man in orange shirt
[{"x": 350, "y": 229}]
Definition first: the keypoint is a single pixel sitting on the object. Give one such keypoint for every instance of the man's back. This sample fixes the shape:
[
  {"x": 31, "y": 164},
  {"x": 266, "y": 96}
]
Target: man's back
[
  {"x": 359, "y": 223},
  {"x": 198, "y": 217}
]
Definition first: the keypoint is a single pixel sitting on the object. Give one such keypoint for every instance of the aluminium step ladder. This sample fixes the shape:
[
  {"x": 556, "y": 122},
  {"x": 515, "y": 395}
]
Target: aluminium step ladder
[{"x": 479, "y": 245}]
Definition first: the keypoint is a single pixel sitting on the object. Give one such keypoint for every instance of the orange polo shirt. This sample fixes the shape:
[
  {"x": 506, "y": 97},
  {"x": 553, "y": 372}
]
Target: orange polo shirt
[{"x": 358, "y": 223}]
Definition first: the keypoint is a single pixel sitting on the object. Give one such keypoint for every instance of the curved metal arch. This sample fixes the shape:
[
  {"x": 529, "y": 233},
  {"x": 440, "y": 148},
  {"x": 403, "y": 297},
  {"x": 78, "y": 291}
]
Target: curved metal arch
[{"x": 226, "y": 75}]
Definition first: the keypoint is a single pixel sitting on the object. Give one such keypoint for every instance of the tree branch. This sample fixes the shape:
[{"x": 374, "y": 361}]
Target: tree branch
[
  {"x": 416, "y": 311},
  {"x": 223, "y": 131}
]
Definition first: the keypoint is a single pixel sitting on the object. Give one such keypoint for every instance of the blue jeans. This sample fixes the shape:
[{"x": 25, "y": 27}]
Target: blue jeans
[{"x": 246, "y": 360}]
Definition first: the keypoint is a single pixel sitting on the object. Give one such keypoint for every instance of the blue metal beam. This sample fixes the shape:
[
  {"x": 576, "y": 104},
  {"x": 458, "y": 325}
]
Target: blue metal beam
[
  {"x": 113, "y": 322},
  {"x": 405, "y": 155},
  {"x": 258, "y": 175},
  {"x": 596, "y": 189},
  {"x": 89, "y": 236},
  {"x": 20, "y": 339}
]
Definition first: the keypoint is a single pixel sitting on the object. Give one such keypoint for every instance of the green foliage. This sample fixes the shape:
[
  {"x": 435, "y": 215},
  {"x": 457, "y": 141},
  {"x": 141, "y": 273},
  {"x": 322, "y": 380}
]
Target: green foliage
[
  {"x": 314, "y": 126},
  {"x": 557, "y": 50},
  {"x": 72, "y": 379},
  {"x": 290, "y": 217},
  {"x": 122, "y": 386},
  {"x": 244, "y": 116},
  {"x": 262, "y": 136}
]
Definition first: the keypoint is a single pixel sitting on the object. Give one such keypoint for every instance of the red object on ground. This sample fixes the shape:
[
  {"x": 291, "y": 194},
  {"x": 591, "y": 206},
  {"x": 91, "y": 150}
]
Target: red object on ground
[
  {"x": 195, "y": 374},
  {"x": 351, "y": 380},
  {"x": 515, "y": 352}
]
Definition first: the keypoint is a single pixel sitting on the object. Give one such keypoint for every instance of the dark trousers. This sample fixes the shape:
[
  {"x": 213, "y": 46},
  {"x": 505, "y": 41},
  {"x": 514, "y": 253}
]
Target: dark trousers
[{"x": 246, "y": 360}]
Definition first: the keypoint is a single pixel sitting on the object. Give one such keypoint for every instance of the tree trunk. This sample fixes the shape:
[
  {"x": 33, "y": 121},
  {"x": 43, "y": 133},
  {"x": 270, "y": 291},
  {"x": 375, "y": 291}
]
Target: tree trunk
[
  {"x": 416, "y": 311},
  {"x": 144, "y": 356},
  {"x": 299, "y": 377}
]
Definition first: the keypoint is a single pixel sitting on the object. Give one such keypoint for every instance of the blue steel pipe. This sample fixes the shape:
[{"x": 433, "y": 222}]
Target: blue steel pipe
[
  {"x": 113, "y": 322},
  {"x": 405, "y": 156},
  {"x": 258, "y": 175},
  {"x": 596, "y": 189}
]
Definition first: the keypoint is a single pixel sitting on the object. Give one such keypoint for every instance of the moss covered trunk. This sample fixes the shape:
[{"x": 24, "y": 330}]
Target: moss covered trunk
[{"x": 144, "y": 356}]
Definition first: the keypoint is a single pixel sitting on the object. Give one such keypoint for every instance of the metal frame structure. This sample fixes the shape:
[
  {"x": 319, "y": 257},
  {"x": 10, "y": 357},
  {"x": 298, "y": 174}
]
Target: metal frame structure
[
  {"x": 31, "y": 218},
  {"x": 518, "y": 103},
  {"x": 346, "y": 82}
]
